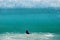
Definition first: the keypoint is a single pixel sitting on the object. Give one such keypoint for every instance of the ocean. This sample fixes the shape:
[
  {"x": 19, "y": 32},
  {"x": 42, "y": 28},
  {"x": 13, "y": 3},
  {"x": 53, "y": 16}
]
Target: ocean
[{"x": 42, "y": 23}]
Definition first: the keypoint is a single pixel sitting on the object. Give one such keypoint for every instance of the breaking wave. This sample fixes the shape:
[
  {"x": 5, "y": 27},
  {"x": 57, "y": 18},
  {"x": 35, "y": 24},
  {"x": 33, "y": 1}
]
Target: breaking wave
[
  {"x": 29, "y": 3},
  {"x": 33, "y": 36}
]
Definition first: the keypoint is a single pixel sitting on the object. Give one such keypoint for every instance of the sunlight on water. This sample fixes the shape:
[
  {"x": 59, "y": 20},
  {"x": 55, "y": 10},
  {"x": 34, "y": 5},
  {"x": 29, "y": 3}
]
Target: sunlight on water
[{"x": 33, "y": 36}]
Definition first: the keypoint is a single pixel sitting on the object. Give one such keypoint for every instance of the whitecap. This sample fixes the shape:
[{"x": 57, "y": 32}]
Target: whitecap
[
  {"x": 33, "y": 36},
  {"x": 29, "y": 3}
]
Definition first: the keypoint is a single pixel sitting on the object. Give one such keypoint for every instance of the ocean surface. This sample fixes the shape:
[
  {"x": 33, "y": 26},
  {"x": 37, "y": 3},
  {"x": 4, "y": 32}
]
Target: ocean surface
[{"x": 42, "y": 23}]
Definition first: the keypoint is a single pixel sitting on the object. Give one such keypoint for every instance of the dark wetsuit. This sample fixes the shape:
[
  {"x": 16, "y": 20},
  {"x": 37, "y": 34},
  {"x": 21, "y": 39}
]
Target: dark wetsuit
[{"x": 27, "y": 32}]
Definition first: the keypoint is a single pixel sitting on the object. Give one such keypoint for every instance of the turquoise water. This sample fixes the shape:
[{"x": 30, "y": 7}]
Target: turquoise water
[{"x": 43, "y": 24}]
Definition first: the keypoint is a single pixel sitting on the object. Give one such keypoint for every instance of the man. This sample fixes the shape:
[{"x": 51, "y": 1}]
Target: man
[{"x": 27, "y": 32}]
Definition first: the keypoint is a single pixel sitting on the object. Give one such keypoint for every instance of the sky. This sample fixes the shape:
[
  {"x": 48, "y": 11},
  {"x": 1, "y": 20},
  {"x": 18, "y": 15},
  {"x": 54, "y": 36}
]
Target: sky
[{"x": 29, "y": 3}]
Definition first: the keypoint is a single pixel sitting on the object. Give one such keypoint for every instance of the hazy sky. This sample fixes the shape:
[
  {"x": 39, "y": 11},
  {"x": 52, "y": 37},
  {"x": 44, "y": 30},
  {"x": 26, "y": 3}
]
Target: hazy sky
[{"x": 29, "y": 3}]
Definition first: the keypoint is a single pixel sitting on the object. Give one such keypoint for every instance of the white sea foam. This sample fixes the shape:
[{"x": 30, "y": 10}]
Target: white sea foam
[
  {"x": 29, "y": 3},
  {"x": 33, "y": 36}
]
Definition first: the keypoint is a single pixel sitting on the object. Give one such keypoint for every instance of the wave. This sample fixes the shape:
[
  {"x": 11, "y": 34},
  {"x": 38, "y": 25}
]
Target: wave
[
  {"x": 29, "y": 3},
  {"x": 33, "y": 36}
]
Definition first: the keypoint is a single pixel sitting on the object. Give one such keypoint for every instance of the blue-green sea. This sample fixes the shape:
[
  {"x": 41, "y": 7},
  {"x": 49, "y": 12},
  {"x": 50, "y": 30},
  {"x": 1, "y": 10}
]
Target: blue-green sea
[{"x": 42, "y": 23}]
